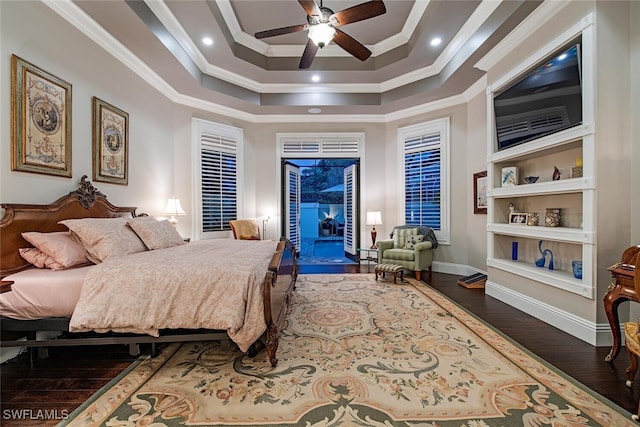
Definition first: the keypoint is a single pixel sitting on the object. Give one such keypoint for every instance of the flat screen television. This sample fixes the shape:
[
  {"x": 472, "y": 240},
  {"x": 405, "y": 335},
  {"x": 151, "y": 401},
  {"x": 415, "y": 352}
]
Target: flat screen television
[{"x": 547, "y": 99}]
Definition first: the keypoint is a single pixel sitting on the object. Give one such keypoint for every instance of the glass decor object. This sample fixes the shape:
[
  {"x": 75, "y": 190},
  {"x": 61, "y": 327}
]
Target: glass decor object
[
  {"x": 540, "y": 262},
  {"x": 533, "y": 218},
  {"x": 576, "y": 171},
  {"x": 514, "y": 251},
  {"x": 552, "y": 217},
  {"x": 577, "y": 269}
]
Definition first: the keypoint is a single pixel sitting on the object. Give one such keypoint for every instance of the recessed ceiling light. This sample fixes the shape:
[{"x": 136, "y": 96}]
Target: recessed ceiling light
[
  {"x": 436, "y": 41},
  {"x": 315, "y": 78},
  {"x": 315, "y": 110},
  {"x": 207, "y": 41}
]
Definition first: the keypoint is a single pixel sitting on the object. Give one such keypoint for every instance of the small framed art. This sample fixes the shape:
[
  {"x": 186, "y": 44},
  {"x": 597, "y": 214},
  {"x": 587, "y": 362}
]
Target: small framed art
[
  {"x": 509, "y": 176},
  {"x": 480, "y": 193},
  {"x": 110, "y": 143},
  {"x": 40, "y": 120},
  {"x": 518, "y": 218}
]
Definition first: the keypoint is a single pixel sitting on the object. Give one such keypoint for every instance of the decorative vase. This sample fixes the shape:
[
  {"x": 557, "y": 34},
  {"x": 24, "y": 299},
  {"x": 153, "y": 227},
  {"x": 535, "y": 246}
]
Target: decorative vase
[
  {"x": 540, "y": 261},
  {"x": 552, "y": 217},
  {"x": 514, "y": 251},
  {"x": 577, "y": 269},
  {"x": 533, "y": 218},
  {"x": 551, "y": 260}
]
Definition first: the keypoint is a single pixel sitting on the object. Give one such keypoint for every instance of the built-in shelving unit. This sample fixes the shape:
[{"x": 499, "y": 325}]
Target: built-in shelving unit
[{"x": 574, "y": 239}]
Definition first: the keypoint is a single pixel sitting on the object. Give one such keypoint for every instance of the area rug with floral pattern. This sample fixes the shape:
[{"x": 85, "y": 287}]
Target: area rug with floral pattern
[{"x": 354, "y": 352}]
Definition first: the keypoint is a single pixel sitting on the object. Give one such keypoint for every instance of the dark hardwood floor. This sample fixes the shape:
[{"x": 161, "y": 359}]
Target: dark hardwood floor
[{"x": 60, "y": 383}]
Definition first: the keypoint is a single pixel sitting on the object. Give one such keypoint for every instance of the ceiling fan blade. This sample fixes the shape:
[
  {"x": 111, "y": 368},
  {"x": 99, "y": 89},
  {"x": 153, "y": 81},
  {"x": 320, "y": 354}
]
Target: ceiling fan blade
[
  {"x": 308, "y": 55},
  {"x": 281, "y": 31},
  {"x": 311, "y": 7},
  {"x": 360, "y": 12},
  {"x": 351, "y": 45}
]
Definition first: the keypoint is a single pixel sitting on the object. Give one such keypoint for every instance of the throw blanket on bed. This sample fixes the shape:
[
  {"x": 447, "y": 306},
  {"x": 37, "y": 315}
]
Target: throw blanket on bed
[{"x": 211, "y": 284}]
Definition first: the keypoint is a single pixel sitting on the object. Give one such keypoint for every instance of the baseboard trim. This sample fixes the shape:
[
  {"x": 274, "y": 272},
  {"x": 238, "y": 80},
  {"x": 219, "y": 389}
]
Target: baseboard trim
[
  {"x": 457, "y": 269},
  {"x": 596, "y": 334}
]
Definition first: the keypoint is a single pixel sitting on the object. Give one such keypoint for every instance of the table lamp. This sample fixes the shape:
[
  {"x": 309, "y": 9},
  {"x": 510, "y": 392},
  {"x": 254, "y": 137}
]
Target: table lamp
[
  {"x": 173, "y": 209},
  {"x": 374, "y": 218}
]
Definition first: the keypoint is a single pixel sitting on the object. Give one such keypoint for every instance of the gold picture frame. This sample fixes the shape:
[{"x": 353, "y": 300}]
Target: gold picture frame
[
  {"x": 110, "y": 143},
  {"x": 40, "y": 120}
]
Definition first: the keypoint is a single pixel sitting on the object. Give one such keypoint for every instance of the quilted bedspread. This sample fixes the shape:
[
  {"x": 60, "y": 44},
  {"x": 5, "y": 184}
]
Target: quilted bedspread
[{"x": 211, "y": 284}]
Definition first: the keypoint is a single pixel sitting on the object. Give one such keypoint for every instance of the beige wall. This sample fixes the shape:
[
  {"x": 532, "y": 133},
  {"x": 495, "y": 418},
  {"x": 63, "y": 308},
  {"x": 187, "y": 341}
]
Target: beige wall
[
  {"x": 33, "y": 32},
  {"x": 160, "y": 162},
  {"x": 634, "y": 18}
]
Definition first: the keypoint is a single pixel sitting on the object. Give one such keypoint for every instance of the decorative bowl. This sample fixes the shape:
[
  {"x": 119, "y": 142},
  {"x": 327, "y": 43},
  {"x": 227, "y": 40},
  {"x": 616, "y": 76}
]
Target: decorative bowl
[{"x": 530, "y": 179}]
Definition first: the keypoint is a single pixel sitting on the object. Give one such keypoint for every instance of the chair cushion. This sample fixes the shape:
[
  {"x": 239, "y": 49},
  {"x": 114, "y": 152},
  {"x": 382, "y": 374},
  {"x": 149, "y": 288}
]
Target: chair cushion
[
  {"x": 400, "y": 254},
  {"x": 401, "y": 235}
]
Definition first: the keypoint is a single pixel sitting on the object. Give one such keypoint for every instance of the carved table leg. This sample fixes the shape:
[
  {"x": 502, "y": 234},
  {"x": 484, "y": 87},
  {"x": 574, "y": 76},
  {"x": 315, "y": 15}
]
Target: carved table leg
[{"x": 611, "y": 302}]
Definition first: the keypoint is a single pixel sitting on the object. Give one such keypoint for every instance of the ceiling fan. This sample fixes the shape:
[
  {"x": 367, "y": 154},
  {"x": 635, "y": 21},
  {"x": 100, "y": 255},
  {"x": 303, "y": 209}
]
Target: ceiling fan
[{"x": 322, "y": 25}]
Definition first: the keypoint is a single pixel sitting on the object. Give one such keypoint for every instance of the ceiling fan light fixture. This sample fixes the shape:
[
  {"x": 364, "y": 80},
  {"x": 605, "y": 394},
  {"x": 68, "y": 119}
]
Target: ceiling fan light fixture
[{"x": 321, "y": 34}]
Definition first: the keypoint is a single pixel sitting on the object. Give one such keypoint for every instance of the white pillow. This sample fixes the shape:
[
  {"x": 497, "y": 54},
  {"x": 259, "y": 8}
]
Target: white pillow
[{"x": 155, "y": 234}]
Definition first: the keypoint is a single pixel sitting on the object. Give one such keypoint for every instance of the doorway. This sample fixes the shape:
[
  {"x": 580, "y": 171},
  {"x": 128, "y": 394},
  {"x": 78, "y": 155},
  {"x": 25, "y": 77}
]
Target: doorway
[{"x": 320, "y": 207}]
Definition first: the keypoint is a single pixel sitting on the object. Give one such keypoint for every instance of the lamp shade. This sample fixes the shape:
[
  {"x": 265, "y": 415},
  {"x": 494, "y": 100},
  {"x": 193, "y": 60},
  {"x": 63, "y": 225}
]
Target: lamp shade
[
  {"x": 374, "y": 218},
  {"x": 173, "y": 207},
  {"x": 321, "y": 34}
]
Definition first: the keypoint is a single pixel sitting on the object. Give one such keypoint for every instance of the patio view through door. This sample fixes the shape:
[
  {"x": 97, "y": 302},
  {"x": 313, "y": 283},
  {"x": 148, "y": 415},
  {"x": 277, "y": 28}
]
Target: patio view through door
[{"x": 320, "y": 198}]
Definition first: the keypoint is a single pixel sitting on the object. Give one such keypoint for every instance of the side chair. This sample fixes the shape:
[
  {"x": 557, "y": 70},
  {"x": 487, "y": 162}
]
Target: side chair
[
  {"x": 410, "y": 247},
  {"x": 245, "y": 229},
  {"x": 632, "y": 338}
]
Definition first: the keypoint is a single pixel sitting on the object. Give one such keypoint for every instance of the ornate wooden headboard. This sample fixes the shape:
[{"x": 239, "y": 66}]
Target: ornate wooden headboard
[{"x": 85, "y": 202}]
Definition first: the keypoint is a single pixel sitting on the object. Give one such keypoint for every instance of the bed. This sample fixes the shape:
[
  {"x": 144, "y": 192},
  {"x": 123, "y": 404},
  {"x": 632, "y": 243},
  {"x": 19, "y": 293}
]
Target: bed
[{"x": 156, "y": 288}]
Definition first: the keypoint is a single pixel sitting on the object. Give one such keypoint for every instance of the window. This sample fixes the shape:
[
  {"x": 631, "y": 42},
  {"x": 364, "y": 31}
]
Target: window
[
  {"x": 425, "y": 174},
  {"x": 218, "y": 150}
]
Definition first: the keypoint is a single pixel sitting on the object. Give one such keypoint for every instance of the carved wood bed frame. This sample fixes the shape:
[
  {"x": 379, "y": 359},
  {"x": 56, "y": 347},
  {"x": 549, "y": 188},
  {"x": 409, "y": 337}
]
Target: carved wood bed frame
[{"x": 87, "y": 202}]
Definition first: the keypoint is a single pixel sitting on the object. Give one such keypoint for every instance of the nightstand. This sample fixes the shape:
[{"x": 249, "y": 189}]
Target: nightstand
[{"x": 5, "y": 286}]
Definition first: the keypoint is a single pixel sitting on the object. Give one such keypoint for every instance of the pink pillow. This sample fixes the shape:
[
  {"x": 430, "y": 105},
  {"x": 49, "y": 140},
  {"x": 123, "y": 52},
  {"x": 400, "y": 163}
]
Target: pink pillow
[
  {"x": 59, "y": 246},
  {"x": 39, "y": 259}
]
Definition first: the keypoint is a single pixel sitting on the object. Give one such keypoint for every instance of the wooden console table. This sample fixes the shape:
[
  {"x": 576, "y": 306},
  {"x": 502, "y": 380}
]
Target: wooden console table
[{"x": 621, "y": 289}]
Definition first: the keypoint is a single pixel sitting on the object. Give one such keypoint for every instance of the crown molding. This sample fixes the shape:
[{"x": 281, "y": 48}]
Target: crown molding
[
  {"x": 529, "y": 25},
  {"x": 80, "y": 20}
]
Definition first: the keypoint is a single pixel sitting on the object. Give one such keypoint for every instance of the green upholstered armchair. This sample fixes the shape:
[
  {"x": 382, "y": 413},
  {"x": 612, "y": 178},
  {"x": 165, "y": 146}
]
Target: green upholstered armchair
[{"x": 411, "y": 247}]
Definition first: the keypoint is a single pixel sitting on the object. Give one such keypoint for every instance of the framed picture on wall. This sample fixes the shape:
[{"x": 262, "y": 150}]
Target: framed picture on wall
[
  {"x": 110, "y": 143},
  {"x": 480, "y": 192},
  {"x": 40, "y": 120}
]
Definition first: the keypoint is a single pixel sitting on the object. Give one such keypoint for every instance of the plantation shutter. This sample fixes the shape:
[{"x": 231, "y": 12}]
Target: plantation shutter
[
  {"x": 292, "y": 204},
  {"x": 219, "y": 178},
  {"x": 422, "y": 161},
  {"x": 350, "y": 199}
]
